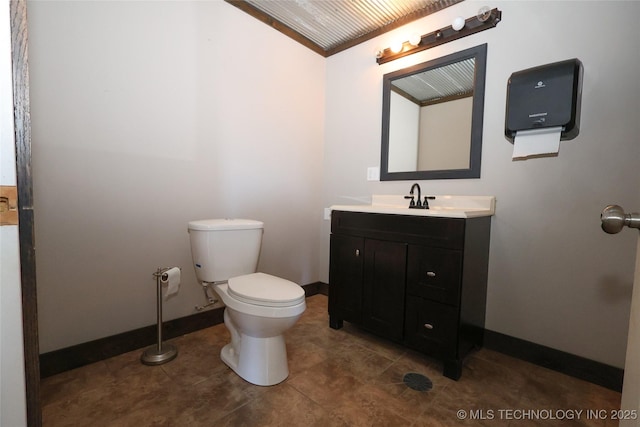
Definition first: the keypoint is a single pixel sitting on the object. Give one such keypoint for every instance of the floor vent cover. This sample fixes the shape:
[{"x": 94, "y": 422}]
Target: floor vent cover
[{"x": 417, "y": 382}]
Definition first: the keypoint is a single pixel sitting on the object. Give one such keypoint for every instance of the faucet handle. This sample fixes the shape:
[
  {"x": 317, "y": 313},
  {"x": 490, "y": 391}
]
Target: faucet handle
[
  {"x": 412, "y": 203},
  {"x": 425, "y": 205}
]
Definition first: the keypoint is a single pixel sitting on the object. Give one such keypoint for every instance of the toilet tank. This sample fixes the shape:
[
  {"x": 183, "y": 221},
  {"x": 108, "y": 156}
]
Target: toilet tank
[{"x": 224, "y": 248}]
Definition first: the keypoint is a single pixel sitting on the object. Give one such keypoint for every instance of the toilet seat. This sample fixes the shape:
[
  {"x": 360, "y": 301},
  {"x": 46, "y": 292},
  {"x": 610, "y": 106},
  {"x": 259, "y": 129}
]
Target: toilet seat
[{"x": 265, "y": 290}]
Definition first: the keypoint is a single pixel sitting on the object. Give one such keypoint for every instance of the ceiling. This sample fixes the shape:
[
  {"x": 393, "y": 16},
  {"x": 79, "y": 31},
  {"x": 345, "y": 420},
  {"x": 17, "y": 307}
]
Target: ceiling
[
  {"x": 440, "y": 84},
  {"x": 331, "y": 26}
]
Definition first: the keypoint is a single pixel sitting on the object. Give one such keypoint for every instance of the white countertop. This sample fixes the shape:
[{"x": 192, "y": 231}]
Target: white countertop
[{"x": 445, "y": 206}]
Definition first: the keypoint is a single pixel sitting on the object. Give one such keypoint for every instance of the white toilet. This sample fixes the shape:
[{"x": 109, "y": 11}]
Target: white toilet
[{"x": 259, "y": 307}]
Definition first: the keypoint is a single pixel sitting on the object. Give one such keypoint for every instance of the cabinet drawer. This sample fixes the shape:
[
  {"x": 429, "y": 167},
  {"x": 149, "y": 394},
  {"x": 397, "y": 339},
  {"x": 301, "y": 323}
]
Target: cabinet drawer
[
  {"x": 434, "y": 274},
  {"x": 432, "y": 231},
  {"x": 431, "y": 327}
]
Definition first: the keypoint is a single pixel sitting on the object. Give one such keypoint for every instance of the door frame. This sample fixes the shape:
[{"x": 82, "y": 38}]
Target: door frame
[{"x": 22, "y": 122}]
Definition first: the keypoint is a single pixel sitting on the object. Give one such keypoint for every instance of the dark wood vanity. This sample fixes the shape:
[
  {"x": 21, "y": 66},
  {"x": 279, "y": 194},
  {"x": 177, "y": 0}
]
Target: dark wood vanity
[{"x": 417, "y": 280}]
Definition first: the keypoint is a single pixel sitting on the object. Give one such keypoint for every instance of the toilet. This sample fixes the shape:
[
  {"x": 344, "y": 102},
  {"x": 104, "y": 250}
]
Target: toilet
[{"x": 259, "y": 307}]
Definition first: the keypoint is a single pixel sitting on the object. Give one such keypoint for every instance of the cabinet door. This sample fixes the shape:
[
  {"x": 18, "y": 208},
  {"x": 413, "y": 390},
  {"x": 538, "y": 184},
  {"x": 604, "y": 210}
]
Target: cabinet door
[
  {"x": 345, "y": 277},
  {"x": 385, "y": 266},
  {"x": 434, "y": 273}
]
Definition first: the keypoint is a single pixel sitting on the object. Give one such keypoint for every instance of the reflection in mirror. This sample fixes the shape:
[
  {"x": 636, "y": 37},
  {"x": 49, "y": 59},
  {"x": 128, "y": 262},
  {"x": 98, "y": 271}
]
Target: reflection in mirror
[{"x": 432, "y": 118}]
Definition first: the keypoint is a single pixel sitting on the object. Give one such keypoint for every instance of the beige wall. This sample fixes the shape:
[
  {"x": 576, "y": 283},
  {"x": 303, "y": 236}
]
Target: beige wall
[
  {"x": 554, "y": 277},
  {"x": 404, "y": 126},
  {"x": 147, "y": 115},
  {"x": 445, "y": 135}
]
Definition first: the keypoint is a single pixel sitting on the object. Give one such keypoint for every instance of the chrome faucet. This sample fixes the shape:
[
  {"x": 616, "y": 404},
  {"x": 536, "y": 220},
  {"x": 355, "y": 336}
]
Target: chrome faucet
[{"x": 419, "y": 204}]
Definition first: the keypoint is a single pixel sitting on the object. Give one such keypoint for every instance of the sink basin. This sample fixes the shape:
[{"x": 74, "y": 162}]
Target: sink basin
[{"x": 443, "y": 206}]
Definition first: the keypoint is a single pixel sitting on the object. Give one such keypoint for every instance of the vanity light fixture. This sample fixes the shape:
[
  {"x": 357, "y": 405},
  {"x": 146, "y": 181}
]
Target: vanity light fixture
[
  {"x": 398, "y": 46},
  {"x": 484, "y": 20}
]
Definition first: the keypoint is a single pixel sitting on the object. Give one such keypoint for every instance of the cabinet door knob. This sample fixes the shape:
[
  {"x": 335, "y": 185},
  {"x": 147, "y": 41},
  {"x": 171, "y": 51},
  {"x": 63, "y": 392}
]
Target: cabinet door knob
[
  {"x": 357, "y": 252},
  {"x": 428, "y": 326},
  {"x": 431, "y": 274}
]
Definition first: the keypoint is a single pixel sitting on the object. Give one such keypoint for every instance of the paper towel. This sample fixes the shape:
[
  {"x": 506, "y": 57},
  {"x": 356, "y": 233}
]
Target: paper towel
[
  {"x": 171, "y": 278},
  {"x": 536, "y": 142}
]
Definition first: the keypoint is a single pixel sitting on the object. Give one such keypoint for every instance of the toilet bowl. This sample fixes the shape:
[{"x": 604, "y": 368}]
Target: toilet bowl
[
  {"x": 257, "y": 351},
  {"x": 259, "y": 307}
]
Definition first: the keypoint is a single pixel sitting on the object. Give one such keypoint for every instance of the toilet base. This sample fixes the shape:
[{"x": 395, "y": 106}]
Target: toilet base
[{"x": 260, "y": 361}]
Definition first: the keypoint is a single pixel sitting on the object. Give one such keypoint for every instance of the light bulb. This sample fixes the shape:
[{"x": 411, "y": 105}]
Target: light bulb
[
  {"x": 396, "y": 47},
  {"x": 483, "y": 13},
  {"x": 458, "y": 23},
  {"x": 415, "y": 39}
]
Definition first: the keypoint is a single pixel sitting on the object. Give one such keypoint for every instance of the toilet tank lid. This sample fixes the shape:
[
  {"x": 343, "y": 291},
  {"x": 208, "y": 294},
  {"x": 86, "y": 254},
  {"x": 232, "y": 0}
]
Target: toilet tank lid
[{"x": 225, "y": 224}]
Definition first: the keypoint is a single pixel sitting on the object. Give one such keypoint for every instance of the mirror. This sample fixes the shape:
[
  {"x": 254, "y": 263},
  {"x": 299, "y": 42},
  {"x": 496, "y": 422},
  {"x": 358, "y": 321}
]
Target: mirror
[{"x": 432, "y": 118}]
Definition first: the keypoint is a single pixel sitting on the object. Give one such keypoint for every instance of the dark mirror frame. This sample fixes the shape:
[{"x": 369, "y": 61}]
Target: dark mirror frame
[{"x": 477, "y": 116}]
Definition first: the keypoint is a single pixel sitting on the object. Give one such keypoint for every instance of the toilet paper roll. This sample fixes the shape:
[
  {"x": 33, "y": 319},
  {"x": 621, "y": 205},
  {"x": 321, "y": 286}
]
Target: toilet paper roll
[
  {"x": 536, "y": 142},
  {"x": 171, "y": 278}
]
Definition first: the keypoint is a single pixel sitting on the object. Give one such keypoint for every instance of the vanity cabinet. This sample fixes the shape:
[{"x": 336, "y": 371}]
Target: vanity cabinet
[{"x": 417, "y": 280}]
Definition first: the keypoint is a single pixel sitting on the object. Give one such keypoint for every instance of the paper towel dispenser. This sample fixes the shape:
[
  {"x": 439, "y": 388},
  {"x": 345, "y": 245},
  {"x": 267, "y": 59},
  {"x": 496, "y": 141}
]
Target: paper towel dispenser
[{"x": 543, "y": 97}]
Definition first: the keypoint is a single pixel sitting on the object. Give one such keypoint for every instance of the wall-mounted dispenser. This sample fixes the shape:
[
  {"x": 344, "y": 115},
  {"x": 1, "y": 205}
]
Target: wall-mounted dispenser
[{"x": 545, "y": 97}]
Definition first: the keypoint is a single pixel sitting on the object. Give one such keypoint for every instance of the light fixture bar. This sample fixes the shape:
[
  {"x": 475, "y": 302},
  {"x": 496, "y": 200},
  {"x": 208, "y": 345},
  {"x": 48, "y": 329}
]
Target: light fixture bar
[{"x": 444, "y": 35}]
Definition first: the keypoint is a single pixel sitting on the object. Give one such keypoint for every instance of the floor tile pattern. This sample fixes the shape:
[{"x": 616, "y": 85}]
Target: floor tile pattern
[{"x": 337, "y": 378}]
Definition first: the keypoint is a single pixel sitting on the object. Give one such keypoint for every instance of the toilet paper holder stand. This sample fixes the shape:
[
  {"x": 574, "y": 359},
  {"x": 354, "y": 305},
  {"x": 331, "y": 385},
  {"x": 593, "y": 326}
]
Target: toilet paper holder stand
[{"x": 158, "y": 354}]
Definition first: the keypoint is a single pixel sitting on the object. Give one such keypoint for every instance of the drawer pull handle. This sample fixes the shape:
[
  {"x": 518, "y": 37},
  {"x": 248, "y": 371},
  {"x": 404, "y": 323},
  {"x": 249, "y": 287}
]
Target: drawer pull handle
[
  {"x": 357, "y": 252},
  {"x": 431, "y": 274},
  {"x": 428, "y": 326}
]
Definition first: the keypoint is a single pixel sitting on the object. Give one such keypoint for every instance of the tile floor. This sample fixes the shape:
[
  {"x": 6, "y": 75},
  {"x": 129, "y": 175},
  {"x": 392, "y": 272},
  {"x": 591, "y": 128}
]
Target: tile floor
[{"x": 337, "y": 378}]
